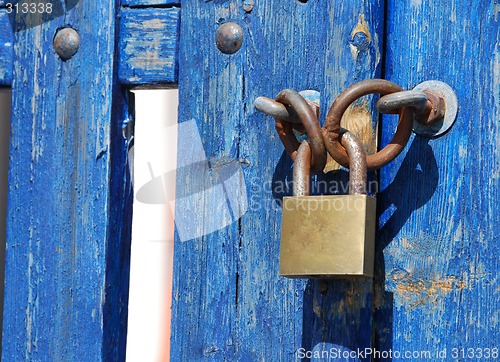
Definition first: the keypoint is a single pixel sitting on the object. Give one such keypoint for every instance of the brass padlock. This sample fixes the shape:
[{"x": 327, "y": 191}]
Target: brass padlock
[{"x": 329, "y": 236}]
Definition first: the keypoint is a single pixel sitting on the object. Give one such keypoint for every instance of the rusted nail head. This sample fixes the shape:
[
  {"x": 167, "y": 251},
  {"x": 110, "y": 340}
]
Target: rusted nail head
[
  {"x": 66, "y": 43},
  {"x": 229, "y": 38}
]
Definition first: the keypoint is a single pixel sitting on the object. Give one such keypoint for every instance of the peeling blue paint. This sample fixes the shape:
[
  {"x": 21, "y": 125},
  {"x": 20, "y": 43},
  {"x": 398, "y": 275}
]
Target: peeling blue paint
[
  {"x": 148, "y": 45},
  {"x": 68, "y": 223},
  {"x": 229, "y": 304},
  {"x": 6, "y": 49},
  {"x": 151, "y": 2},
  {"x": 441, "y": 240}
]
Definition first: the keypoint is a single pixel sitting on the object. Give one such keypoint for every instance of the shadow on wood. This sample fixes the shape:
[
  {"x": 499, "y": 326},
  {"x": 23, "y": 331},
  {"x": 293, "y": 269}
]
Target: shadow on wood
[{"x": 412, "y": 187}]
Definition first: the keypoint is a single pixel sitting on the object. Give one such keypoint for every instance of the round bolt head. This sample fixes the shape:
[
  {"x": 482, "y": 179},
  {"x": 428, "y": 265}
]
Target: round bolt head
[
  {"x": 449, "y": 97},
  {"x": 229, "y": 38},
  {"x": 66, "y": 43}
]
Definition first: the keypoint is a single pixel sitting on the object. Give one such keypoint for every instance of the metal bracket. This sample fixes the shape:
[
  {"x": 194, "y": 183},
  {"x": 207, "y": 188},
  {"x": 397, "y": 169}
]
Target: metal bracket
[{"x": 449, "y": 97}]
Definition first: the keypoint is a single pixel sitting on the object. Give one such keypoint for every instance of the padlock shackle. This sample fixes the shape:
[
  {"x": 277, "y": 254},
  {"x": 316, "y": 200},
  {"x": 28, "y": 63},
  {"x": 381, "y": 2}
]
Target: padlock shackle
[
  {"x": 302, "y": 170},
  {"x": 357, "y": 162},
  {"x": 357, "y": 165}
]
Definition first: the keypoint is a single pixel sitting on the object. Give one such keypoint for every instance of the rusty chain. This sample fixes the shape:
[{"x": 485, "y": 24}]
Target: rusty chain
[
  {"x": 358, "y": 169},
  {"x": 338, "y": 108},
  {"x": 291, "y": 111},
  {"x": 309, "y": 120}
]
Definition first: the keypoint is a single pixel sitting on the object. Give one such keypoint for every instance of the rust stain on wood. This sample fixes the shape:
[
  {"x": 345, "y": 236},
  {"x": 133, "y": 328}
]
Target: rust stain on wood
[{"x": 418, "y": 292}]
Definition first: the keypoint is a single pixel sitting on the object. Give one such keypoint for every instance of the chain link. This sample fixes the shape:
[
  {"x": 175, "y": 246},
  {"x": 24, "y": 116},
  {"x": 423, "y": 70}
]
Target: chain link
[{"x": 291, "y": 111}]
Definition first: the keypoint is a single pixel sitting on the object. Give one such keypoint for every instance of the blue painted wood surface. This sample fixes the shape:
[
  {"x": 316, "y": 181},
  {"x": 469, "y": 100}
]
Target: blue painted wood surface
[
  {"x": 149, "y": 45},
  {"x": 438, "y": 285},
  {"x": 148, "y": 48},
  {"x": 68, "y": 213},
  {"x": 5, "y": 105},
  {"x": 229, "y": 302},
  {"x": 6, "y": 39},
  {"x": 151, "y": 2},
  {"x": 69, "y": 202}
]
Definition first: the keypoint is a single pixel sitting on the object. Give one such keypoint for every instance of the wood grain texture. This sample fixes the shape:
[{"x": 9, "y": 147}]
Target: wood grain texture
[
  {"x": 150, "y": 2},
  {"x": 69, "y": 196},
  {"x": 229, "y": 304},
  {"x": 6, "y": 39},
  {"x": 149, "y": 45},
  {"x": 440, "y": 212},
  {"x": 5, "y": 106}
]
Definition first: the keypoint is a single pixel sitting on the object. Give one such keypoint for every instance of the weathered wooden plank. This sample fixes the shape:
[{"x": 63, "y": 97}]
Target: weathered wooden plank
[
  {"x": 69, "y": 196},
  {"x": 440, "y": 207},
  {"x": 6, "y": 38},
  {"x": 148, "y": 45},
  {"x": 229, "y": 302},
  {"x": 5, "y": 105},
  {"x": 150, "y": 2}
]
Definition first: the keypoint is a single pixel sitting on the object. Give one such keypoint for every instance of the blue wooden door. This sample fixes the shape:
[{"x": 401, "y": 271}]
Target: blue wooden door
[
  {"x": 229, "y": 302},
  {"x": 435, "y": 292}
]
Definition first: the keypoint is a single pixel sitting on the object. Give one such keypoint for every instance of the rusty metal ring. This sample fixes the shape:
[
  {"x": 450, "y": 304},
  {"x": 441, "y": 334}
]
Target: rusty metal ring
[
  {"x": 298, "y": 104},
  {"x": 344, "y": 100}
]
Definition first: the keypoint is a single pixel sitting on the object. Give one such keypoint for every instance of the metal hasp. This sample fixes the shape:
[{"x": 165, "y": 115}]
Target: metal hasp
[
  {"x": 450, "y": 105},
  {"x": 434, "y": 103},
  {"x": 329, "y": 236},
  {"x": 278, "y": 110}
]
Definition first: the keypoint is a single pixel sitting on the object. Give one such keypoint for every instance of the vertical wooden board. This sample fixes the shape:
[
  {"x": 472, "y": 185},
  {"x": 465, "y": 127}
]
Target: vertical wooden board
[
  {"x": 204, "y": 291},
  {"x": 310, "y": 46},
  {"x": 6, "y": 39},
  {"x": 440, "y": 213},
  {"x": 5, "y": 107},
  {"x": 68, "y": 209},
  {"x": 229, "y": 302},
  {"x": 148, "y": 45}
]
